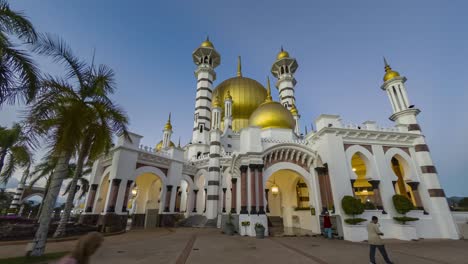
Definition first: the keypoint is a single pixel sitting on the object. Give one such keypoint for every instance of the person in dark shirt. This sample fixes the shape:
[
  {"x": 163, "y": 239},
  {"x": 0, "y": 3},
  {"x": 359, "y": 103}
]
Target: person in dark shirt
[{"x": 327, "y": 225}]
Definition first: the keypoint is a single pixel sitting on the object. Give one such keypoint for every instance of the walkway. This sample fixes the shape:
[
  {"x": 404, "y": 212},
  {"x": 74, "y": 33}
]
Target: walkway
[{"x": 189, "y": 245}]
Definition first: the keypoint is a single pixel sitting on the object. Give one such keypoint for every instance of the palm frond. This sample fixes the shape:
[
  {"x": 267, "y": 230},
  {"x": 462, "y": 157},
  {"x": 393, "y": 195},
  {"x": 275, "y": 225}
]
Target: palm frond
[{"x": 16, "y": 23}]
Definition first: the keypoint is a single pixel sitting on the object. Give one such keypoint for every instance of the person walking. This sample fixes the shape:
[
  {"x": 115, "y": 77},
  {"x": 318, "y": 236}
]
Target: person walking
[
  {"x": 375, "y": 241},
  {"x": 327, "y": 225},
  {"x": 86, "y": 246}
]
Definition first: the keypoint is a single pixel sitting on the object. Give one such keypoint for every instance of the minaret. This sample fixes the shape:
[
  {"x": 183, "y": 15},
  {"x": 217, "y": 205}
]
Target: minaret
[
  {"x": 394, "y": 85},
  {"x": 296, "y": 116},
  {"x": 216, "y": 114},
  {"x": 283, "y": 69},
  {"x": 227, "y": 111},
  {"x": 404, "y": 116},
  {"x": 207, "y": 59},
  {"x": 167, "y": 133}
]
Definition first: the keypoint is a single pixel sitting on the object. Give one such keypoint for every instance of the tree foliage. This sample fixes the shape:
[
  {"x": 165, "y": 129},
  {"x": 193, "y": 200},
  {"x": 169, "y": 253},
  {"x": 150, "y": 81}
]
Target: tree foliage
[
  {"x": 402, "y": 204},
  {"x": 352, "y": 206}
]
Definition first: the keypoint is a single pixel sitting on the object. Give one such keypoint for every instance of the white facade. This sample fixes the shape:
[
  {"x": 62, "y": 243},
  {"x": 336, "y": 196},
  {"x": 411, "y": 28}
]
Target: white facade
[{"x": 224, "y": 171}]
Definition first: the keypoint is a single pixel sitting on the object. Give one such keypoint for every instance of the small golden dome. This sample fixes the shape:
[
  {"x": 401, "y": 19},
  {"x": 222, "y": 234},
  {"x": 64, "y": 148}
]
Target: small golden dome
[
  {"x": 282, "y": 54},
  {"x": 160, "y": 145},
  {"x": 207, "y": 43},
  {"x": 294, "y": 110},
  {"x": 216, "y": 102},
  {"x": 228, "y": 95},
  {"x": 271, "y": 114},
  {"x": 168, "y": 125},
  {"x": 389, "y": 73}
]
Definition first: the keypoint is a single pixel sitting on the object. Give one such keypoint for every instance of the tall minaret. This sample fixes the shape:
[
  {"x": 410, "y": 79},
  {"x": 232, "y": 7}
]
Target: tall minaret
[
  {"x": 227, "y": 111},
  {"x": 207, "y": 59},
  {"x": 167, "y": 133},
  {"x": 283, "y": 69},
  {"x": 404, "y": 115},
  {"x": 214, "y": 171}
]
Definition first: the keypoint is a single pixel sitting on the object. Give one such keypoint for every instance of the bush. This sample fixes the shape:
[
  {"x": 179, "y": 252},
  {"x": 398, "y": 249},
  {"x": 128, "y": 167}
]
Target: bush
[
  {"x": 369, "y": 206},
  {"x": 259, "y": 225},
  {"x": 402, "y": 204},
  {"x": 404, "y": 219},
  {"x": 354, "y": 221},
  {"x": 352, "y": 206},
  {"x": 463, "y": 202}
]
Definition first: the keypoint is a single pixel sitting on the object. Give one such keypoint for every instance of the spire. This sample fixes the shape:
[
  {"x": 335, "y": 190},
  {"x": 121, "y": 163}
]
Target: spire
[
  {"x": 207, "y": 38},
  {"x": 387, "y": 67},
  {"x": 239, "y": 67},
  {"x": 305, "y": 127},
  {"x": 178, "y": 145},
  {"x": 268, "y": 98},
  {"x": 168, "y": 125}
]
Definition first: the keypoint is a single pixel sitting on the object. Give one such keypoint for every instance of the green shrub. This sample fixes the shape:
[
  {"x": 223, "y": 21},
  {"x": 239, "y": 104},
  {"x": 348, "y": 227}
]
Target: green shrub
[
  {"x": 404, "y": 219},
  {"x": 352, "y": 206},
  {"x": 402, "y": 204},
  {"x": 369, "y": 206},
  {"x": 245, "y": 223},
  {"x": 354, "y": 221},
  {"x": 259, "y": 225}
]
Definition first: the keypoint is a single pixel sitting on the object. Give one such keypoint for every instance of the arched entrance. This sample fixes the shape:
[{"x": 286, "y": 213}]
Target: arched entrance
[
  {"x": 144, "y": 203},
  {"x": 290, "y": 203},
  {"x": 103, "y": 190}
]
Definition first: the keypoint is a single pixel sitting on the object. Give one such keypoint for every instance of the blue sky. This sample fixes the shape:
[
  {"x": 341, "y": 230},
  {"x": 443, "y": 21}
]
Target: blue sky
[{"x": 339, "y": 46}]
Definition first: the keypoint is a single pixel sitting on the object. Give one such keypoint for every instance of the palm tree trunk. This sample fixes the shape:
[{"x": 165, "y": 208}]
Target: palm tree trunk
[
  {"x": 43, "y": 198},
  {"x": 3, "y": 154},
  {"x": 61, "y": 228},
  {"x": 37, "y": 247}
]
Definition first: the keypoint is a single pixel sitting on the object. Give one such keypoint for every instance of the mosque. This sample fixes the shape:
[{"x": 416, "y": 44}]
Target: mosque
[{"x": 249, "y": 162}]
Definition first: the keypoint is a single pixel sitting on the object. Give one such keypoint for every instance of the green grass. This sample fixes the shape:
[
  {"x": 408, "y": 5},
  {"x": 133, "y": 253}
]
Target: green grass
[{"x": 42, "y": 259}]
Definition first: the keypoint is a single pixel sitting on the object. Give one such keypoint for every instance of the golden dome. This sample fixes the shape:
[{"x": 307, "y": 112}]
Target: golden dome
[
  {"x": 271, "y": 114},
  {"x": 282, "y": 54},
  {"x": 247, "y": 94},
  {"x": 207, "y": 43},
  {"x": 389, "y": 73},
  {"x": 160, "y": 145},
  {"x": 168, "y": 125}
]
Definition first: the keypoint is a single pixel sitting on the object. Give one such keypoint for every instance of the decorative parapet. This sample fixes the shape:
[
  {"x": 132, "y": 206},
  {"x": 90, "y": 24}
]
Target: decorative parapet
[
  {"x": 279, "y": 141},
  {"x": 151, "y": 150}
]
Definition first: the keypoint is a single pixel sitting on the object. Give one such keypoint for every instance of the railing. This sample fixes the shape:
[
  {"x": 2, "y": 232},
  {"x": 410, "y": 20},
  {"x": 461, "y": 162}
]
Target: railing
[
  {"x": 280, "y": 141},
  {"x": 374, "y": 128},
  {"x": 153, "y": 151}
]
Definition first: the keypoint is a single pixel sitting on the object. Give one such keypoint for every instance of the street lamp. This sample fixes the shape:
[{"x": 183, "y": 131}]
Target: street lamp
[
  {"x": 135, "y": 191},
  {"x": 274, "y": 187}
]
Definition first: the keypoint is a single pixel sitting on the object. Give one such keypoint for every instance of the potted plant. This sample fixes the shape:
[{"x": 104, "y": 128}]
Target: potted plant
[
  {"x": 403, "y": 205},
  {"x": 259, "y": 230},
  {"x": 229, "y": 228},
  {"x": 245, "y": 224},
  {"x": 352, "y": 206}
]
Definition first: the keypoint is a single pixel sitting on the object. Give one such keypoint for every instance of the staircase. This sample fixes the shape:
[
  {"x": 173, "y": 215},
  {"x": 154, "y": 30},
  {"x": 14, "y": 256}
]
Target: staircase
[
  {"x": 197, "y": 221},
  {"x": 275, "y": 225}
]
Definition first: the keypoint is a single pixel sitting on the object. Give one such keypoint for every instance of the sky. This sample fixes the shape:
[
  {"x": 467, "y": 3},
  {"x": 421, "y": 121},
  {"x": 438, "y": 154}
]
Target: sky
[{"x": 339, "y": 46}]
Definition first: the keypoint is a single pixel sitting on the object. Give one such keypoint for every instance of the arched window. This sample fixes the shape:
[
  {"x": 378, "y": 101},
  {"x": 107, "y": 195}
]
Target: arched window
[
  {"x": 211, "y": 61},
  {"x": 361, "y": 186},
  {"x": 282, "y": 70},
  {"x": 205, "y": 60},
  {"x": 401, "y": 187},
  {"x": 287, "y": 69},
  {"x": 302, "y": 194},
  {"x": 200, "y": 127}
]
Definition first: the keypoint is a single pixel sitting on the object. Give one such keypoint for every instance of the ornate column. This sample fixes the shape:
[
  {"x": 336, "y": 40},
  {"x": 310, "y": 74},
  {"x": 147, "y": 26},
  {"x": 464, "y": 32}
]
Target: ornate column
[
  {"x": 177, "y": 201},
  {"x": 243, "y": 170},
  {"x": 253, "y": 190},
  {"x": 325, "y": 187},
  {"x": 224, "y": 200},
  {"x": 234, "y": 196},
  {"x": 417, "y": 198},
  {"x": 168, "y": 198},
  {"x": 195, "y": 201},
  {"x": 113, "y": 195},
  {"x": 266, "y": 196},
  {"x": 127, "y": 192},
  {"x": 261, "y": 209},
  {"x": 91, "y": 198}
]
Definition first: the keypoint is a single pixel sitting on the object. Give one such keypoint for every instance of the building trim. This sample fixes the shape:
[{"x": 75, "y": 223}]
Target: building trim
[
  {"x": 428, "y": 169},
  {"x": 436, "y": 192},
  {"x": 421, "y": 148}
]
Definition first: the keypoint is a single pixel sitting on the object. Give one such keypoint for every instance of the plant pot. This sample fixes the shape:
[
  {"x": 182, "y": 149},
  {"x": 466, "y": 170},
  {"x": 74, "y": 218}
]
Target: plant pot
[
  {"x": 260, "y": 232},
  {"x": 229, "y": 229}
]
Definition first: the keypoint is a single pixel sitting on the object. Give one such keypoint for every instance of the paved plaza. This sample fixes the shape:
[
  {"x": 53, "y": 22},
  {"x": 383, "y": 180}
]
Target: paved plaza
[{"x": 189, "y": 245}]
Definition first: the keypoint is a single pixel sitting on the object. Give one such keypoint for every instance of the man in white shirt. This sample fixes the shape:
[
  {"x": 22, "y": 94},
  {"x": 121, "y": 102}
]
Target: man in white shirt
[{"x": 375, "y": 241}]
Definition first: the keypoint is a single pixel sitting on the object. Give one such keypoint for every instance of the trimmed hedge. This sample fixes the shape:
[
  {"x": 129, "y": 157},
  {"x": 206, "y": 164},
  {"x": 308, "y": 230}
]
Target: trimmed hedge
[
  {"x": 402, "y": 204},
  {"x": 404, "y": 219},
  {"x": 352, "y": 206},
  {"x": 354, "y": 221}
]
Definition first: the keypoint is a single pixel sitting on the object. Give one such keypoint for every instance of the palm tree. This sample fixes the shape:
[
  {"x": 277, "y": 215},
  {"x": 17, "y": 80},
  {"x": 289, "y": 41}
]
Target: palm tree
[
  {"x": 19, "y": 76},
  {"x": 64, "y": 112},
  {"x": 14, "y": 151}
]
